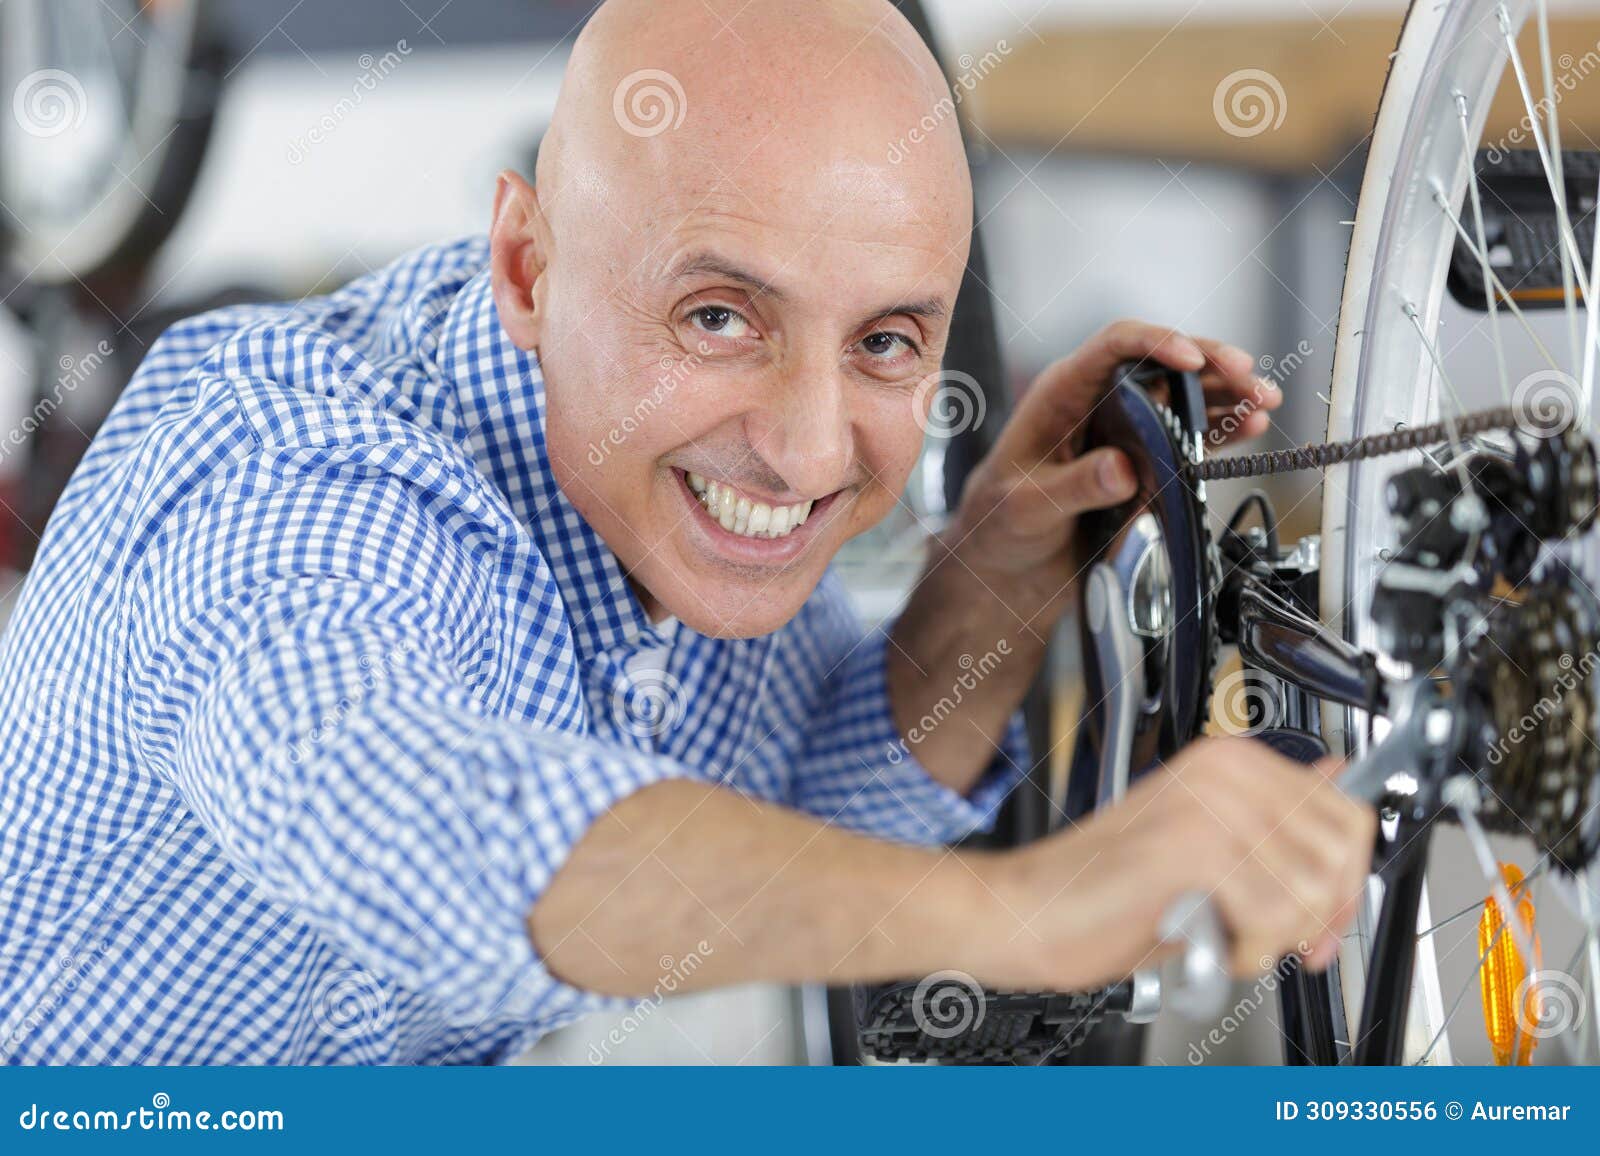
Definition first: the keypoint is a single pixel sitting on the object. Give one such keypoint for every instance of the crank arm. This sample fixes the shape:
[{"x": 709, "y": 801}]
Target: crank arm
[{"x": 1120, "y": 656}]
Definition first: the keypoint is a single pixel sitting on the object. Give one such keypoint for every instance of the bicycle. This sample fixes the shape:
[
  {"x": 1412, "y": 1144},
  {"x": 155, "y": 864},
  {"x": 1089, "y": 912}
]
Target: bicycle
[{"x": 1431, "y": 632}]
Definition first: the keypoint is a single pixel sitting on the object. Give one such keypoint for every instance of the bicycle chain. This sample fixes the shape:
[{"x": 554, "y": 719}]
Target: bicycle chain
[{"x": 1319, "y": 455}]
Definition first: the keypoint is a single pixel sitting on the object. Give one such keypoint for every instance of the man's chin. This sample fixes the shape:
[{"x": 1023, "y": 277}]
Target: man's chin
[{"x": 740, "y": 608}]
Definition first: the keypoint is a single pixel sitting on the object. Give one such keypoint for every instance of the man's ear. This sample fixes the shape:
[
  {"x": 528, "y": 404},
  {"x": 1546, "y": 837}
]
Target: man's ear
[{"x": 517, "y": 256}]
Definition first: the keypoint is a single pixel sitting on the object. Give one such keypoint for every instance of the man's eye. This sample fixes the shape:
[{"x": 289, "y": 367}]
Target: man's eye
[
  {"x": 723, "y": 322},
  {"x": 887, "y": 345}
]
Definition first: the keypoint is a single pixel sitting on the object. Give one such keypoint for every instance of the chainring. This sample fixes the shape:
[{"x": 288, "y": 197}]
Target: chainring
[
  {"x": 1161, "y": 437},
  {"x": 1187, "y": 449}
]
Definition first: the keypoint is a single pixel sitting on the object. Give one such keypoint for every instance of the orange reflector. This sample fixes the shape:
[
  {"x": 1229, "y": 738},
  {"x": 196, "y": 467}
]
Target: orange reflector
[{"x": 1504, "y": 974}]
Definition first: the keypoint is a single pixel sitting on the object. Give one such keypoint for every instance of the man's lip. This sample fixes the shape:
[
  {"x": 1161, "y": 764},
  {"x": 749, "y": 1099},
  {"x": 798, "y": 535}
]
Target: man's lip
[
  {"x": 745, "y": 492},
  {"x": 770, "y": 550}
]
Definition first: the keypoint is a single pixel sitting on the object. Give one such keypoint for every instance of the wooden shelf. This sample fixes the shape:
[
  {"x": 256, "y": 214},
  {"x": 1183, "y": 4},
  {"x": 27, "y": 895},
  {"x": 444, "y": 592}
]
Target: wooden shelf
[{"x": 1150, "y": 89}]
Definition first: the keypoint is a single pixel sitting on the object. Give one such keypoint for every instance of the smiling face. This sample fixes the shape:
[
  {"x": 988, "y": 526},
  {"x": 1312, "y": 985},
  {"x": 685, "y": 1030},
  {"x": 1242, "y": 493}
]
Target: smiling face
[{"x": 734, "y": 317}]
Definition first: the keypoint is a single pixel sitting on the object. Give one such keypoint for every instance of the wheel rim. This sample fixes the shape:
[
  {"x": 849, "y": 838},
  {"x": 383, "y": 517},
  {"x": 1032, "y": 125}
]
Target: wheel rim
[{"x": 1388, "y": 367}]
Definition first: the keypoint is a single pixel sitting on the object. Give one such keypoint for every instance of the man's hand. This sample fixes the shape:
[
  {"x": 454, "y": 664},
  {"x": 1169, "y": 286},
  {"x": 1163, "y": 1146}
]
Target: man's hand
[
  {"x": 1004, "y": 571},
  {"x": 1018, "y": 514},
  {"x": 1276, "y": 846}
]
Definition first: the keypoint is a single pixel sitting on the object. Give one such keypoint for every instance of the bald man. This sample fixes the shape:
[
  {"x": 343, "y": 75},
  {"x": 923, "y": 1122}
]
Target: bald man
[{"x": 409, "y": 671}]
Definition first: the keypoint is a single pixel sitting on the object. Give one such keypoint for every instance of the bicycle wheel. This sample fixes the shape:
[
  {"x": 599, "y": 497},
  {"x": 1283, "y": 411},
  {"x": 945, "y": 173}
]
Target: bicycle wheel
[
  {"x": 1432, "y": 213},
  {"x": 110, "y": 108}
]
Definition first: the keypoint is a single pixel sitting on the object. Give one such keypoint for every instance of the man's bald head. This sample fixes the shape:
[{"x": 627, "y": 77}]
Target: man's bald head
[
  {"x": 733, "y": 270},
  {"x": 733, "y": 87}
]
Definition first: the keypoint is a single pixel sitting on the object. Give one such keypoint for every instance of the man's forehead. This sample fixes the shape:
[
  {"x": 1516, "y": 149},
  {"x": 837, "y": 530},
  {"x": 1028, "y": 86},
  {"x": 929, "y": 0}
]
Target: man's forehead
[
  {"x": 767, "y": 253},
  {"x": 771, "y": 131},
  {"x": 793, "y": 203},
  {"x": 922, "y": 294}
]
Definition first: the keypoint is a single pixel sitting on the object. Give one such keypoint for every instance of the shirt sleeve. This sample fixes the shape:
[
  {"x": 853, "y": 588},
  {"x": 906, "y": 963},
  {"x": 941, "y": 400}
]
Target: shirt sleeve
[
  {"x": 304, "y": 669},
  {"x": 857, "y": 768}
]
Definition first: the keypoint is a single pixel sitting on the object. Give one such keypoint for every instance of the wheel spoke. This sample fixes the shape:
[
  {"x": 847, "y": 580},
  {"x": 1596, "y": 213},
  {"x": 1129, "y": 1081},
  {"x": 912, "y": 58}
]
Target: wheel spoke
[
  {"x": 1591, "y": 331},
  {"x": 1499, "y": 286},
  {"x": 1455, "y": 1004},
  {"x": 1590, "y": 949},
  {"x": 1558, "y": 185},
  {"x": 1532, "y": 969},
  {"x": 1410, "y": 311},
  {"x": 1482, "y": 248},
  {"x": 1461, "y": 796},
  {"x": 1474, "y": 907},
  {"x": 1563, "y": 222}
]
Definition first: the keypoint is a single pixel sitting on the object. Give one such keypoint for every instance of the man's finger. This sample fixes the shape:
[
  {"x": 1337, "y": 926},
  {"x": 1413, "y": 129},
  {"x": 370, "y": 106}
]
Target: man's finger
[
  {"x": 1094, "y": 481},
  {"x": 1229, "y": 361},
  {"x": 1229, "y": 379},
  {"x": 1228, "y": 424},
  {"x": 1049, "y": 419}
]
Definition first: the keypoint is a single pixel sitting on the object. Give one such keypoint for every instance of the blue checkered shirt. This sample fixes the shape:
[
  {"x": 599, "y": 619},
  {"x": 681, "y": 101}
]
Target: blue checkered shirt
[{"x": 319, "y": 678}]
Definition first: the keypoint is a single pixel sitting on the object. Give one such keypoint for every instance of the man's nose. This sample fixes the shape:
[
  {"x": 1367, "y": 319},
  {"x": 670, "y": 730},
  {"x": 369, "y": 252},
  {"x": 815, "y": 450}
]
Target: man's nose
[{"x": 804, "y": 429}]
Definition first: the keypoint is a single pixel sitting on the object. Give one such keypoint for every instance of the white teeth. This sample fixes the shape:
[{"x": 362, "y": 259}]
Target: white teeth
[{"x": 742, "y": 516}]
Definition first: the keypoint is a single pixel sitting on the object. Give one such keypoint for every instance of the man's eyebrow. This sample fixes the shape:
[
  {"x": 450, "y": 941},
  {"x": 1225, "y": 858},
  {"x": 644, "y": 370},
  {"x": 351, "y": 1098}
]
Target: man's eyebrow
[
  {"x": 931, "y": 307},
  {"x": 696, "y": 264},
  {"x": 705, "y": 262}
]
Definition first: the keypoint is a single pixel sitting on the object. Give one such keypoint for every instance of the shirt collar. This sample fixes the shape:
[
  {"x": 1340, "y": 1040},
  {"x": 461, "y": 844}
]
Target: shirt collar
[{"x": 501, "y": 398}]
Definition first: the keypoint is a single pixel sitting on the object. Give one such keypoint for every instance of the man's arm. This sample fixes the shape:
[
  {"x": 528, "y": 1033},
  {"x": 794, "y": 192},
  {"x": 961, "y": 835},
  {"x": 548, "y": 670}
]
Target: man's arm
[
  {"x": 779, "y": 896},
  {"x": 961, "y": 657}
]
